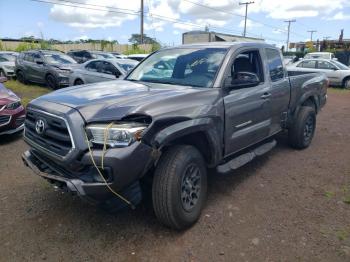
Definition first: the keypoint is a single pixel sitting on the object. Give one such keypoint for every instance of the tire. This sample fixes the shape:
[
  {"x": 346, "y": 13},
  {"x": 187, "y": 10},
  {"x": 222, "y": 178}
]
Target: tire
[
  {"x": 51, "y": 82},
  {"x": 2, "y": 73},
  {"x": 78, "y": 82},
  {"x": 301, "y": 133},
  {"x": 346, "y": 83},
  {"x": 21, "y": 77},
  {"x": 179, "y": 176}
]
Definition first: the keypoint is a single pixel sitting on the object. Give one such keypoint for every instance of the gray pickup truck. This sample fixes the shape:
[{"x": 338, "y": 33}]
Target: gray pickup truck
[{"x": 180, "y": 112}]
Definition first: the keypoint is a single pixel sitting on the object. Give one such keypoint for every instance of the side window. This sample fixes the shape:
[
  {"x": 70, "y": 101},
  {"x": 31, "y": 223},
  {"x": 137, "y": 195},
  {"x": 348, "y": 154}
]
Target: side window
[
  {"x": 249, "y": 62},
  {"x": 309, "y": 64},
  {"x": 325, "y": 65},
  {"x": 108, "y": 68},
  {"x": 2, "y": 59},
  {"x": 93, "y": 66},
  {"x": 275, "y": 64},
  {"x": 29, "y": 57}
]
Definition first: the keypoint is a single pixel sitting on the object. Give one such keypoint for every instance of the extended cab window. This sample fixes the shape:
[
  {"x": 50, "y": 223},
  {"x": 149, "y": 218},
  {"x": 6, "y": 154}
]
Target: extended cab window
[
  {"x": 275, "y": 64},
  {"x": 247, "y": 64}
]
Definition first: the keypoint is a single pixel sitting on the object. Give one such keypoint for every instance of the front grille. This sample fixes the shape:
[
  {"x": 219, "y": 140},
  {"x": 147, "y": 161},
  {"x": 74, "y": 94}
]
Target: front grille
[
  {"x": 4, "y": 120},
  {"x": 19, "y": 121},
  {"x": 55, "y": 136}
]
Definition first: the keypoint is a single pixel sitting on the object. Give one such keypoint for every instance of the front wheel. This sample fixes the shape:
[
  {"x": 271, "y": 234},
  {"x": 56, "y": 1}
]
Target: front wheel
[
  {"x": 51, "y": 82},
  {"x": 346, "y": 83},
  {"x": 179, "y": 187},
  {"x": 301, "y": 133}
]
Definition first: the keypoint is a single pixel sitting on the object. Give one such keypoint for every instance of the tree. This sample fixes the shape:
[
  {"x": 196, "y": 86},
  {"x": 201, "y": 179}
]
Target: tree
[{"x": 136, "y": 39}]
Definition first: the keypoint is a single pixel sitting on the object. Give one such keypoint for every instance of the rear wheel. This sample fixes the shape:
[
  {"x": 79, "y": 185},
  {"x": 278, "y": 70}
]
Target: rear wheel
[
  {"x": 78, "y": 82},
  {"x": 21, "y": 77},
  {"x": 179, "y": 187},
  {"x": 301, "y": 133},
  {"x": 51, "y": 82}
]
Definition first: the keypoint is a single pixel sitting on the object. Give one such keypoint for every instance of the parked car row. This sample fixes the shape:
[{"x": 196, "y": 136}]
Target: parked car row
[{"x": 57, "y": 69}]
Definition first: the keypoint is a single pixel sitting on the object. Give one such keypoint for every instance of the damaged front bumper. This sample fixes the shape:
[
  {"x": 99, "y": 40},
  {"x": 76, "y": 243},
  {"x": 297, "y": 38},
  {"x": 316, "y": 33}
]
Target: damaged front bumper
[{"x": 124, "y": 167}]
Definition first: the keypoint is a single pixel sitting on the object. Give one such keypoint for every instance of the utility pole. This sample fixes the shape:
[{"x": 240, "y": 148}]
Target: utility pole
[
  {"x": 246, "y": 13},
  {"x": 289, "y": 22},
  {"x": 311, "y": 32},
  {"x": 141, "y": 25}
]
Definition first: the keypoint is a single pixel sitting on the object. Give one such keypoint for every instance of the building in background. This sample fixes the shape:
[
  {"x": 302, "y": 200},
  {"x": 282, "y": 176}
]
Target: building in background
[{"x": 206, "y": 36}]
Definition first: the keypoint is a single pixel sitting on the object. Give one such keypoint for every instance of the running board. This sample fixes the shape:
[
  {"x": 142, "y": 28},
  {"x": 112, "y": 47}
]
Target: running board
[{"x": 241, "y": 160}]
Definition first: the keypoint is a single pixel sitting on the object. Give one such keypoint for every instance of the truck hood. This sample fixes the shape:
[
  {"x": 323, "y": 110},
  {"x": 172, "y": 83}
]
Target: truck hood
[{"x": 114, "y": 100}]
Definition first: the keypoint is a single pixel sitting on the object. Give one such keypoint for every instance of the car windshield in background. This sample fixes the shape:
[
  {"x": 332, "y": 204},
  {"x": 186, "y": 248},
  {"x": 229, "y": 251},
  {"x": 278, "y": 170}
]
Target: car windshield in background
[
  {"x": 8, "y": 57},
  {"x": 341, "y": 66},
  {"x": 127, "y": 66},
  {"x": 102, "y": 55},
  {"x": 58, "y": 59},
  {"x": 181, "y": 66}
]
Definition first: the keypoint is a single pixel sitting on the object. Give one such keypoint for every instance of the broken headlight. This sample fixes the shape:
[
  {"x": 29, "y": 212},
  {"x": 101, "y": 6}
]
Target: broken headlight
[{"x": 115, "y": 135}]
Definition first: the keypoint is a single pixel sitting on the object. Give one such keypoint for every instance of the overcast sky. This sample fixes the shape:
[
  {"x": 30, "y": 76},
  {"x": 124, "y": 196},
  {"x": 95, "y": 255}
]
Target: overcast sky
[{"x": 166, "y": 20}]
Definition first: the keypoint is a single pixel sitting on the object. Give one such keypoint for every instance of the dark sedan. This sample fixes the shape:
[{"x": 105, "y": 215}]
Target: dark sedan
[{"x": 12, "y": 112}]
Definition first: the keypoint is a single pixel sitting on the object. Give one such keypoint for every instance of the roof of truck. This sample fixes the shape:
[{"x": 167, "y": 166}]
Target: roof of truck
[{"x": 224, "y": 45}]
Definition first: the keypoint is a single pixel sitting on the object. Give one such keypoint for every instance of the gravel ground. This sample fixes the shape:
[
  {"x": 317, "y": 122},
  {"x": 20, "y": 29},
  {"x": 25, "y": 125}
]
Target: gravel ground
[{"x": 285, "y": 206}]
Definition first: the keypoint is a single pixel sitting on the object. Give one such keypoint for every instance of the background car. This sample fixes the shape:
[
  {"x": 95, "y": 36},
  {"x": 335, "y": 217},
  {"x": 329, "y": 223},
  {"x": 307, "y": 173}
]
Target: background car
[
  {"x": 99, "y": 70},
  {"x": 337, "y": 73},
  {"x": 138, "y": 57},
  {"x": 44, "y": 66},
  {"x": 119, "y": 56},
  {"x": 288, "y": 60},
  {"x": 7, "y": 63},
  {"x": 321, "y": 55},
  {"x": 12, "y": 112},
  {"x": 81, "y": 56}
]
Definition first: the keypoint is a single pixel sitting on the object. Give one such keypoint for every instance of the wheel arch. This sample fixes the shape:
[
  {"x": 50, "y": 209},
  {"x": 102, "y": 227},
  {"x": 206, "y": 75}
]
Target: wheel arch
[{"x": 200, "y": 133}]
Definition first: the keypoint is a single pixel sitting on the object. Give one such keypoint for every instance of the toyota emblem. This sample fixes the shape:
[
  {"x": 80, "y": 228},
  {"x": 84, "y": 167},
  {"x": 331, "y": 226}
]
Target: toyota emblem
[{"x": 40, "y": 126}]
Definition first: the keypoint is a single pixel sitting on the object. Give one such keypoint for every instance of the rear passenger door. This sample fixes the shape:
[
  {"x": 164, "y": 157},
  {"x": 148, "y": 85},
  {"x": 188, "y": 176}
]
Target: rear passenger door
[
  {"x": 28, "y": 62},
  {"x": 91, "y": 73},
  {"x": 247, "y": 109},
  {"x": 280, "y": 89}
]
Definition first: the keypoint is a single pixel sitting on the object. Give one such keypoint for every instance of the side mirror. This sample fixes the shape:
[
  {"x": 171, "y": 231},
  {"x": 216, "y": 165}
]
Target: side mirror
[
  {"x": 39, "y": 61},
  {"x": 242, "y": 80},
  {"x": 117, "y": 74},
  {"x": 3, "y": 79}
]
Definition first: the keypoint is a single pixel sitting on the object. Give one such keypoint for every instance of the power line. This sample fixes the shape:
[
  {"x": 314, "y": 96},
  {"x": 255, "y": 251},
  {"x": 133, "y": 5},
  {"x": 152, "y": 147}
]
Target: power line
[
  {"x": 246, "y": 14},
  {"x": 136, "y": 13}
]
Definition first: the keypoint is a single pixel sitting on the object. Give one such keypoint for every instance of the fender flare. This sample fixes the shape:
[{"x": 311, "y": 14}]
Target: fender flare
[{"x": 184, "y": 128}]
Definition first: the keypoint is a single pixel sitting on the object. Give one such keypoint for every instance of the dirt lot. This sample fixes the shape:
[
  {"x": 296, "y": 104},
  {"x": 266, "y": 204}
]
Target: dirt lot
[{"x": 286, "y": 206}]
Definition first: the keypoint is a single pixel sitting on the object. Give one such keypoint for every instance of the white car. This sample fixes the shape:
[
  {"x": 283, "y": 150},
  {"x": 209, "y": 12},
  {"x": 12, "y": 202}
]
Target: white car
[
  {"x": 138, "y": 57},
  {"x": 320, "y": 55},
  {"x": 99, "y": 70},
  {"x": 7, "y": 64},
  {"x": 337, "y": 73}
]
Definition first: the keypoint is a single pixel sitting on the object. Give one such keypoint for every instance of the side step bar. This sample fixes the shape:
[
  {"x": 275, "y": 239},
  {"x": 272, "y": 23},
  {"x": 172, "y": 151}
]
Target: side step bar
[{"x": 243, "y": 159}]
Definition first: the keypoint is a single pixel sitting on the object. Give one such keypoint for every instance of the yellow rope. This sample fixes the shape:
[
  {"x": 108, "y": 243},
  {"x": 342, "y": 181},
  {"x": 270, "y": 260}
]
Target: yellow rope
[
  {"x": 105, "y": 144},
  {"x": 99, "y": 172}
]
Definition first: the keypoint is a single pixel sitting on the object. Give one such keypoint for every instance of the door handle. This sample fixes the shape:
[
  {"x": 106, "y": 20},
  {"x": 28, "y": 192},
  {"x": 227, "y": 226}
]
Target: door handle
[{"x": 265, "y": 95}]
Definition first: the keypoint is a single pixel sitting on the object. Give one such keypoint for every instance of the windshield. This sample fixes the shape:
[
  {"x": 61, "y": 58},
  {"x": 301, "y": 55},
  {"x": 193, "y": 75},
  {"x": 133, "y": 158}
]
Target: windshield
[
  {"x": 127, "y": 66},
  {"x": 8, "y": 57},
  {"x": 102, "y": 55},
  {"x": 340, "y": 65},
  {"x": 58, "y": 59},
  {"x": 181, "y": 66}
]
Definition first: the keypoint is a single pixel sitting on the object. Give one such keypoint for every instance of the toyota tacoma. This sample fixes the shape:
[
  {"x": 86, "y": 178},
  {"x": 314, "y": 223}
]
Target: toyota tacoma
[{"x": 180, "y": 112}]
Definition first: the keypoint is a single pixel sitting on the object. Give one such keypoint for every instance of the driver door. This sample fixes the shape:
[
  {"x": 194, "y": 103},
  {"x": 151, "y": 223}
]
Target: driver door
[{"x": 247, "y": 109}]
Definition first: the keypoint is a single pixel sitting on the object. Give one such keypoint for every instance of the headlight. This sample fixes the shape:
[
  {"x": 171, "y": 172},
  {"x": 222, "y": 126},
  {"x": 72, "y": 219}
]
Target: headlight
[
  {"x": 9, "y": 67},
  {"x": 116, "y": 135},
  {"x": 13, "y": 105},
  {"x": 63, "y": 72}
]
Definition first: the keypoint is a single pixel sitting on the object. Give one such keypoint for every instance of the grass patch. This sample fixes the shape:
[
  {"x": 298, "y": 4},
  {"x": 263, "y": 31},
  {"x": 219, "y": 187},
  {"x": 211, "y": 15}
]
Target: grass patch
[
  {"x": 342, "y": 234},
  {"x": 337, "y": 90},
  {"x": 26, "y": 92},
  {"x": 329, "y": 194}
]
